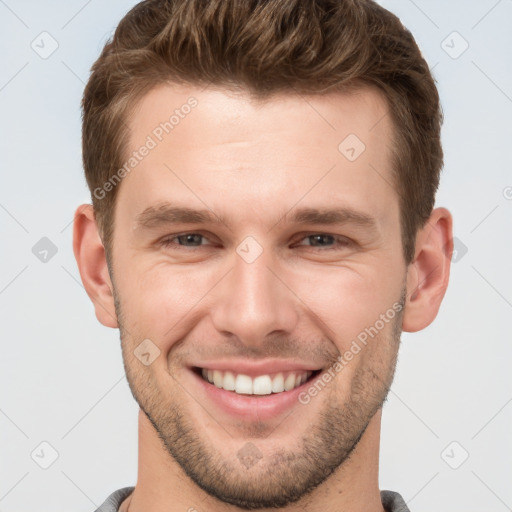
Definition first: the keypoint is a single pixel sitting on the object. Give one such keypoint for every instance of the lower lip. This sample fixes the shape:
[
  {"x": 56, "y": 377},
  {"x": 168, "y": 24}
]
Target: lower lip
[{"x": 253, "y": 407}]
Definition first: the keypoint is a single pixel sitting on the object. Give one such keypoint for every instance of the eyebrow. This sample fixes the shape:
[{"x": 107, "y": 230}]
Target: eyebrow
[
  {"x": 334, "y": 216},
  {"x": 155, "y": 216},
  {"x": 168, "y": 214}
]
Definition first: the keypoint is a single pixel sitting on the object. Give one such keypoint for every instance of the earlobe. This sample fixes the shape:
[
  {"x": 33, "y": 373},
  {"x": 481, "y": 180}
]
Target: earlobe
[
  {"x": 428, "y": 274},
  {"x": 92, "y": 264}
]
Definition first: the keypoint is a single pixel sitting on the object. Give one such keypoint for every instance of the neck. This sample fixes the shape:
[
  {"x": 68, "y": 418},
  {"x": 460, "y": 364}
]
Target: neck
[{"x": 162, "y": 484}]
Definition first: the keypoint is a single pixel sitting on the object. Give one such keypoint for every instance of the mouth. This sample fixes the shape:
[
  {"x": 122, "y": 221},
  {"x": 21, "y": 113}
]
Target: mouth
[{"x": 259, "y": 385}]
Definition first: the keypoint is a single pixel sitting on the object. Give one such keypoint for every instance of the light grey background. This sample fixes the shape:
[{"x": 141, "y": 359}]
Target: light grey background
[{"x": 61, "y": 372}]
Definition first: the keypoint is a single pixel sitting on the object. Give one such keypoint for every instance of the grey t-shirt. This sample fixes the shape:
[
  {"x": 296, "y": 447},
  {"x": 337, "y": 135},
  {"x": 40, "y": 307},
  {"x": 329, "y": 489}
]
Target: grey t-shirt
[{"x": 391, "y": 501}]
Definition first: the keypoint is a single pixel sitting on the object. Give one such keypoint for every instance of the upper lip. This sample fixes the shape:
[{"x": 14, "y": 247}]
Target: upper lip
[{"x": 255, "y": 368}]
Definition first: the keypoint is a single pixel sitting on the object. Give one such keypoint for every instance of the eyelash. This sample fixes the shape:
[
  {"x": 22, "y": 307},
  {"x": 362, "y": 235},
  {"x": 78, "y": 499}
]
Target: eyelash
[{"x": 338, "y": 241}]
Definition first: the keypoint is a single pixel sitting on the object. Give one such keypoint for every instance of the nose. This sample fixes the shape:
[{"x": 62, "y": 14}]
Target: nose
[{"x": 253, "y": 302}]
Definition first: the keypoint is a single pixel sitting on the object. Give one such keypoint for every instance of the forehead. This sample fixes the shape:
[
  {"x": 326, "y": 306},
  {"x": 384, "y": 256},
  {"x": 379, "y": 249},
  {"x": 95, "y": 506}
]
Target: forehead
[
  {"x": 217, "y": 144},
  {"x": 231, "y": 116}
]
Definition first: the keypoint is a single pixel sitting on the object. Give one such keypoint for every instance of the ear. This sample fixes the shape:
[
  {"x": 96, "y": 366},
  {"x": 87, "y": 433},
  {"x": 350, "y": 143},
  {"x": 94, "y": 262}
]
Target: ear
[
  {"x": 429, "y": 272},
  {"x": 92, "y": 264}
]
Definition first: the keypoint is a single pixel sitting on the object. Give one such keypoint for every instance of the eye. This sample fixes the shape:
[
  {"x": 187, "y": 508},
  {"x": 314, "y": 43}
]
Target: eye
[
  {"x": 326, "y": 240},
  {"x": 322, "y": 241},
  {"x": 184, "y": 240}
]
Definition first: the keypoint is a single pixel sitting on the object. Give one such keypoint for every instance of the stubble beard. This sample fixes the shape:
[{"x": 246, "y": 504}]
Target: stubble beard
[{"x": 285, "y": 476}]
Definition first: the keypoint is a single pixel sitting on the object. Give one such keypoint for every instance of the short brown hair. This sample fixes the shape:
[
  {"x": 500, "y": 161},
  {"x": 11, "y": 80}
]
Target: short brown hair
[{"x": 265, "y": 47}]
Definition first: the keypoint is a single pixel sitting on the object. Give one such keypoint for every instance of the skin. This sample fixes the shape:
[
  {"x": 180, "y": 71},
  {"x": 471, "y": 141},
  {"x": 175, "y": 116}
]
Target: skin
[{"x": 303, "y": 299}]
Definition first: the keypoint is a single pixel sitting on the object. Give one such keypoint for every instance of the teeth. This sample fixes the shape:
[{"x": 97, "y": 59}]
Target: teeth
[
  {"x": 217, "y": 378},
  {"x": 289, "y": 382},
  {"x": 243, "y": 384},
  {"x": 261, "y": 385},
  {"x": 278, "y": 383},
  {"x": 229, "y": 382}
]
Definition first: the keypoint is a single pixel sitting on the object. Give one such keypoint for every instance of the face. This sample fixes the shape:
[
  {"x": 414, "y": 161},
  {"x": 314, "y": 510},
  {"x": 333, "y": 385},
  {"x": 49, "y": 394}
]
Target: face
[{"x": 257, "y": 245}]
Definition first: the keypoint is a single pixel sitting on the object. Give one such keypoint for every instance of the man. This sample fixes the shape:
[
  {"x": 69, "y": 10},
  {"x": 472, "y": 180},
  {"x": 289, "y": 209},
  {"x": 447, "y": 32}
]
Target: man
[{"x": 263, "y": 177}]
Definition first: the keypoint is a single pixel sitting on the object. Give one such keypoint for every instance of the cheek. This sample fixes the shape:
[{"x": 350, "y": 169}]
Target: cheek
[
  {"x": 343, "y": 303},
  {"x": 158, "y": 298},
  {"x": 368, "y": 360}
]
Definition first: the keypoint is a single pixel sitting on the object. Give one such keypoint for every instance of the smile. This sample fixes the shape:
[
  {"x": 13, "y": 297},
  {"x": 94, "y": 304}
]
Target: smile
[
  {"x": 264, "y": 384},
  {"x": 252, "y": 391},
  {"x": 261, "y": 385}
]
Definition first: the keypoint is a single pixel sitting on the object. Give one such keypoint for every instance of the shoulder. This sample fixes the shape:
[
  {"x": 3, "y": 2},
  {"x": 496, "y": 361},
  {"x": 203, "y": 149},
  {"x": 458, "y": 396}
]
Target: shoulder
[
  {"x": 393, "y": 502},
  {"x": 113, "y": 502}
]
